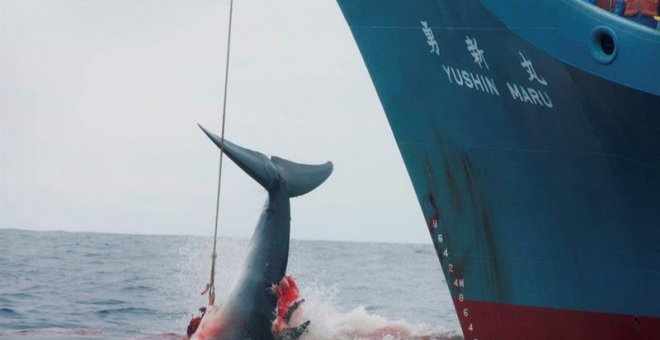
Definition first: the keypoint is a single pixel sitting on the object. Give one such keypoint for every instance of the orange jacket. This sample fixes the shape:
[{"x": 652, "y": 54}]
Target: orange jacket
[
  {"x": 607, "y": 5},
  {"x": 647, "y": 7}
]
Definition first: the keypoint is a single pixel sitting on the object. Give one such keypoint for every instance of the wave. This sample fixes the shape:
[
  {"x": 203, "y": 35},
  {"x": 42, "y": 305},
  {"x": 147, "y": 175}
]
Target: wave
[
  {"x": 126, "y": 310},
  {"x": 18, "y": 296},
  {"x": 138, "y": 288},
  {"x": 109, "y": 302},
  {"x": 52, "y": 333},
  {"x": 73, "y": 333},
  {"x": 8, "y": 313},
  {"x": 358, "y": 323}
]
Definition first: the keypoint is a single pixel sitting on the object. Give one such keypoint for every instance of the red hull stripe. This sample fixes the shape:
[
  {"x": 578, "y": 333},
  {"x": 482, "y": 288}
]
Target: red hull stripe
[{"x": 485, "y": 321}]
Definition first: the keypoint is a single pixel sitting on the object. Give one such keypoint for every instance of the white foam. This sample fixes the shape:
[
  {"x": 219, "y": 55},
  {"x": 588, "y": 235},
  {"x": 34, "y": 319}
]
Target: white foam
[{"x": 328, "y": 323}]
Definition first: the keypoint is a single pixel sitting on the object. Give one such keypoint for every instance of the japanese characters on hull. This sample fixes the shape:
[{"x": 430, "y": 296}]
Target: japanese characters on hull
[
  {"x": 430, "y": 39},
  {"x": 533, "y": 93}
]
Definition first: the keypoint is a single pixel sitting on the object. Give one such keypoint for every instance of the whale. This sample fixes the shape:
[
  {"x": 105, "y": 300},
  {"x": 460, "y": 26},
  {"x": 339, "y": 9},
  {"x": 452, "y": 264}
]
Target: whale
[{"x": 249, "y": 310}]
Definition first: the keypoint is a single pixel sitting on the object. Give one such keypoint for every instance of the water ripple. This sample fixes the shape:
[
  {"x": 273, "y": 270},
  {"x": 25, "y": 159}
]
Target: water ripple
[
  {"x": 9, "y": 313},
  {"x": 130, "y": 285},
  {"x": 127, "y": 310}
]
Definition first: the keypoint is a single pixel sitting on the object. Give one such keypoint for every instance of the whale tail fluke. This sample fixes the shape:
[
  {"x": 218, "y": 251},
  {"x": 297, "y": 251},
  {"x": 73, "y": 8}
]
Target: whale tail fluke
[
  {"x": 302, "y": 178},
  {"x": 269, "y": 172}
]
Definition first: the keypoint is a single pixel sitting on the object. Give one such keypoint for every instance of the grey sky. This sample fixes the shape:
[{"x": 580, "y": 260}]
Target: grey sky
[{"x": 99, "y": 102}]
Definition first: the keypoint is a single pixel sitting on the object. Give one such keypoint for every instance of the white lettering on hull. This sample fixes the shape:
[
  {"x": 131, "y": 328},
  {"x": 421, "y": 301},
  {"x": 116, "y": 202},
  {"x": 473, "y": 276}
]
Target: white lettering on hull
[
  {"x": 475, "y": 81},
  {"x": 529, "y": 95}
]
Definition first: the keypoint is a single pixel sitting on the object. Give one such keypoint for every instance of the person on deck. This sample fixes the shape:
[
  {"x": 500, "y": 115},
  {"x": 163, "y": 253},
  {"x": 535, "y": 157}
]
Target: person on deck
[
  {"x": 613, "y": 6},
  {"x": 642, "y": 12}
]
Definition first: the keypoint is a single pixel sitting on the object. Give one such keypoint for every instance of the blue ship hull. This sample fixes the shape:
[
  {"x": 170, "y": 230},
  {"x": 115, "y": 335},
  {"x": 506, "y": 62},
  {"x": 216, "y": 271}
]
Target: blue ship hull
[{"x": 531, "y": 133}]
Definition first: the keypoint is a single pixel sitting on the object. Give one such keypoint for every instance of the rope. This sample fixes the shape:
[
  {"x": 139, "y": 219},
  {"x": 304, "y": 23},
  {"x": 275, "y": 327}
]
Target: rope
[{"x": 217, "y": 206}]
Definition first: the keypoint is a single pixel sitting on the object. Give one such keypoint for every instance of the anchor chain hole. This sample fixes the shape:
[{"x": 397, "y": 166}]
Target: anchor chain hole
[{"x": 603, "y": 45}]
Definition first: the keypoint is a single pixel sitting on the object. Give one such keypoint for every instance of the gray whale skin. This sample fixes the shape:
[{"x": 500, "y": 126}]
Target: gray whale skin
[{"x": 248, "y": 311}]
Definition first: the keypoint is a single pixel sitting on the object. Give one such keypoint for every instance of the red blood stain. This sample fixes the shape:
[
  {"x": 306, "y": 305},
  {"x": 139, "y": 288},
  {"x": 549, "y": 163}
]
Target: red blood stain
[{"x": 287, "y": 293}]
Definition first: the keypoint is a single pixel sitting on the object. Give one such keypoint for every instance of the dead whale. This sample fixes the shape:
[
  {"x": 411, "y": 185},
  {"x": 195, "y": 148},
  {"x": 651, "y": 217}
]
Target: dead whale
[{"x": 249, "y": 310}]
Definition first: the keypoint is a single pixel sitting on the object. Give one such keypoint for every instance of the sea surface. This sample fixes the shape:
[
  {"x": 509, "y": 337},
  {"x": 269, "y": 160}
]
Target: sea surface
[{"x": 111, "y": 286}]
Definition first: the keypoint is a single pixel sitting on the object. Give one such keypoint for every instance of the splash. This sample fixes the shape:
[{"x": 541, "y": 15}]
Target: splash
[
  {"x": 359, "y": 324},
  {"x": 331, "y": 324},
  {"x": 331, "y": 316}
]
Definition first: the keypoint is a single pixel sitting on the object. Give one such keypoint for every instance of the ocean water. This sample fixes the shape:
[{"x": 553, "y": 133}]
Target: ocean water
[{"x": 110, "y": 286}]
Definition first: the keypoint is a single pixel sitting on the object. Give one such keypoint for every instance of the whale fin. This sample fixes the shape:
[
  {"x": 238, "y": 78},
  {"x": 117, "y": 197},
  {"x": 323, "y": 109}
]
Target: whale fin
[
  {"x": 294, "y": 307},
  {"x": 293, "y": 333},
  {"x": 268, "y": 172},
  {"x": 302, "y": 178},
  {"x": 255, "y": 164}
]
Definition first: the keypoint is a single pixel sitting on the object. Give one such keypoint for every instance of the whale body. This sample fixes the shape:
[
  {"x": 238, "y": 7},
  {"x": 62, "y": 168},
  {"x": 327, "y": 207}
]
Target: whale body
[{"x": 249, "y": 310}]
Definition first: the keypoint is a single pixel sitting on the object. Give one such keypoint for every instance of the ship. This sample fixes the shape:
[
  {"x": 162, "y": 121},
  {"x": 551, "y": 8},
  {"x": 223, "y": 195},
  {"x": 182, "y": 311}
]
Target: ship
[{"x": 530, "y": 131}]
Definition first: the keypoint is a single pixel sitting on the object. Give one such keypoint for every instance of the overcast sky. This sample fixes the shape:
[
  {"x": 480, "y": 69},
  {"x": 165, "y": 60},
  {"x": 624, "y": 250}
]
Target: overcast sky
[{"x": 99, "y": 101}]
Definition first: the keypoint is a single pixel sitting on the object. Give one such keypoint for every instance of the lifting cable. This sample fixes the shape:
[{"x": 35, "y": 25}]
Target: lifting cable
[{"x": 211, "y": 285}]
